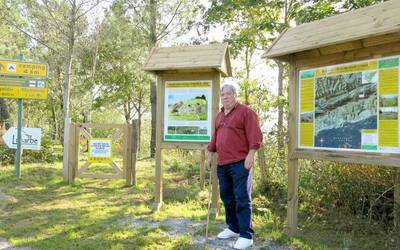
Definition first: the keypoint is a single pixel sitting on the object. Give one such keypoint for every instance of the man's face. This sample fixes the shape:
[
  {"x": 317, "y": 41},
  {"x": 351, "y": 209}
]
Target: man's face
[{"x": 227, "y": 98}]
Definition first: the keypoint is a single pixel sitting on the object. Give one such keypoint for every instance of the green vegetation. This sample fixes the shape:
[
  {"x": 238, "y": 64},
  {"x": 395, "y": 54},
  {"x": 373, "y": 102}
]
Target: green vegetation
[
  {"x": 188, "y": 110},
  {"x": 341, "y": 206},
  {"x": 98, "y": 214}
]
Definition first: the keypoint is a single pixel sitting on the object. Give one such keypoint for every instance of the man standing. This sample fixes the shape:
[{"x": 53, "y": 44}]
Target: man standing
[{"x": 236, "y": 139}]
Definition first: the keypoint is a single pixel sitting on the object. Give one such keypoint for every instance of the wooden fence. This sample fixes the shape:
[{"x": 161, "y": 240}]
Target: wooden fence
[{"x": 72, "y": 167}]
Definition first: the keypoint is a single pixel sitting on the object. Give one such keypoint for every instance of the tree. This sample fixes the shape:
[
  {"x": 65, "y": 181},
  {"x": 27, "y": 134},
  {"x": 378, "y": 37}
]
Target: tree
[
  {"x": 59, "y": 25},
  {"x": 158, "y": 20},
  {"x": 12, "y": 44},
  {"x": 254, "y": 24},
  {"x": 121, "y": 53}
]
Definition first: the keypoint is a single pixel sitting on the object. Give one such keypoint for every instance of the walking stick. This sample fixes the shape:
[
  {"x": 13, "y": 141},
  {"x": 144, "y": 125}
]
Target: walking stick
[{"x": 209, "y": 205}]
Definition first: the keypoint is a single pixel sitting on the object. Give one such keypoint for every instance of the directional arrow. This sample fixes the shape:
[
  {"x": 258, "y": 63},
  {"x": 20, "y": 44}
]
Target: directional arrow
[
  {"x": 31, "y": 138},
  {"x": 12, "y": 67}
]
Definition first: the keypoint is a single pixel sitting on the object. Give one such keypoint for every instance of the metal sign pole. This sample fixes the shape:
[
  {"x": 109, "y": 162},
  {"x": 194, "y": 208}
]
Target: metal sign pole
[{"x": 18, "y": 154}]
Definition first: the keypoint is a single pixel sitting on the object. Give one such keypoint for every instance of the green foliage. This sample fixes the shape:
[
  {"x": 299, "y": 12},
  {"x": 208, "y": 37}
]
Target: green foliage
[{"x": 48, "y": 153}]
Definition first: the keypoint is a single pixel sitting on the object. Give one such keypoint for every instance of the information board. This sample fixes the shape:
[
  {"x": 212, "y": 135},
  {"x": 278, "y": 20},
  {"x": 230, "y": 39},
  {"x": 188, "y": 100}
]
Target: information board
[
  {"x": 100, "y": 150},
  {"x": 352, "y": 106},
  {"x": 187, "y": 111}
]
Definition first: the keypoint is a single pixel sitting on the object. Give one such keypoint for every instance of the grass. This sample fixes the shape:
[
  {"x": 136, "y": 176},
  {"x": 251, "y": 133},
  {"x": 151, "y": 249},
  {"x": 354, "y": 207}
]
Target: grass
[{"x": 47, "y": 214}]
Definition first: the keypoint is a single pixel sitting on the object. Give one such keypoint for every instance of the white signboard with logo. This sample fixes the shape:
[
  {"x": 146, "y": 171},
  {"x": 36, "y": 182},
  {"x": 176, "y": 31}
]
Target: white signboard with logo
[{"x": 31, "y": 138}]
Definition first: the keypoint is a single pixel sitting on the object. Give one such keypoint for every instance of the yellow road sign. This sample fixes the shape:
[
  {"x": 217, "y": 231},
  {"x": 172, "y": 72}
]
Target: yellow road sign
[
  {"x": 23, "y": 92},
  {"x": 20, "y": 68}
]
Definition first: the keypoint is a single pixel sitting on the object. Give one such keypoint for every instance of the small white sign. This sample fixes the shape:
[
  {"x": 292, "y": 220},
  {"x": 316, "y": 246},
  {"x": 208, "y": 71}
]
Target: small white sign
[{"x": 31, "y": 138}]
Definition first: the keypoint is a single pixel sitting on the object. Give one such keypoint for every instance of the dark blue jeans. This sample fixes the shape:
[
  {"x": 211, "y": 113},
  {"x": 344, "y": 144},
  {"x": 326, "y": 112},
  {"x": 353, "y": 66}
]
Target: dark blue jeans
[{"x": 235, "y": 186}]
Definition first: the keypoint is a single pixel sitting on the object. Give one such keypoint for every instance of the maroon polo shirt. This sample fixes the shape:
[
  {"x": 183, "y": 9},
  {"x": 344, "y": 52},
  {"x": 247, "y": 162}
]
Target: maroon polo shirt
[{"x": 235, "y": 134}]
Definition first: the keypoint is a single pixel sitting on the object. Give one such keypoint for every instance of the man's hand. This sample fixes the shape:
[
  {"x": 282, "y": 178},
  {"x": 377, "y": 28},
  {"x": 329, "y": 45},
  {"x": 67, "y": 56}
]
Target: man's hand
[
  {"x": 209, "y": 160},
  {"x": 249, "y": 161}
]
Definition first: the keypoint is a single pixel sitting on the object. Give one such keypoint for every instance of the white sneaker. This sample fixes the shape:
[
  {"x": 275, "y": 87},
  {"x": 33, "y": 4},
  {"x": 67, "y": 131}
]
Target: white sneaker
[
  {"x": 243, "y": 243},
  {"x": 227, "y": 233}
]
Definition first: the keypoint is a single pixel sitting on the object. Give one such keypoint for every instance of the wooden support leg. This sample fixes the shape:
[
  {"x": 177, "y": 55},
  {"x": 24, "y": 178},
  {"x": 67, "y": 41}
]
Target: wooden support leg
[
  {"x": 293, "y": 196},
  {"x": 202, "y": 169},
  {"x": 158, "y": 191}
]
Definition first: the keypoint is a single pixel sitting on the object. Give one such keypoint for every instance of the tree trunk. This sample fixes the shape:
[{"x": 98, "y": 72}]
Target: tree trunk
[
  {"x": 55, "y": 122},
  {"x": 139, "y": 130},
  {"x": 4, "y": 114},
  {"x": 68, "y": 67},
  {"x": 153, "y": 86},
  {"x": 246, "y": 89},
  {"x": 153, "y": 101},
  {"x": 280, "y": 138}
]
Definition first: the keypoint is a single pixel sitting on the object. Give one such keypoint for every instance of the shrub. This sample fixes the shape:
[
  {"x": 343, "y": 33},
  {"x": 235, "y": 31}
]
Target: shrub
[{"x": 49, "y": 152}]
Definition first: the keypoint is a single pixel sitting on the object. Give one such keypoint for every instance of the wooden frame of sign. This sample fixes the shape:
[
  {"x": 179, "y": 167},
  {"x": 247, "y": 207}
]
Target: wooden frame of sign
[
  {"x": 347, "y": 38},
  {"x": 204, "y": 63}
]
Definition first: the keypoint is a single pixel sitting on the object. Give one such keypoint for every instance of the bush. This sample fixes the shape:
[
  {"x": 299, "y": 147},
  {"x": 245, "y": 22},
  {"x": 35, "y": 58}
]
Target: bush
[{"x": 49, "y": 152}]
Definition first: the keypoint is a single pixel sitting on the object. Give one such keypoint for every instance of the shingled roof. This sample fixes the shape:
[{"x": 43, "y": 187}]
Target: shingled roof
[
  {"x": 213, "y": 56},
  {"x": 372, "y": 21}
]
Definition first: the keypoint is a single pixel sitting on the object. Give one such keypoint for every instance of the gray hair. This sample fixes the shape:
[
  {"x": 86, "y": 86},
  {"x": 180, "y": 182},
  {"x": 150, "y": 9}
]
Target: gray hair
[{"x": 230, "y": 87}]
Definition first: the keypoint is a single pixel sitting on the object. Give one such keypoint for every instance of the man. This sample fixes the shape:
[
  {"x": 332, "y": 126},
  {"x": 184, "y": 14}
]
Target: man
[{"x": 236, "y": 139}]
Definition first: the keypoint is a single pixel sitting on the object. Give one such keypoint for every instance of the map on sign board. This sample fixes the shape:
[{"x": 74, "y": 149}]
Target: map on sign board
[
  {"x": 187, "y": 111},
  {"x": 352, "y": 106},
  {"x": 100, "y": 150}
]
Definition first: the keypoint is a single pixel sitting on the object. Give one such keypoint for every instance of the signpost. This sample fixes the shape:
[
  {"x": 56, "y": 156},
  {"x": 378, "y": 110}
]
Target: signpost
[
  {"x": 30, "y": 138},
  {"x": 22, "y": 80}
]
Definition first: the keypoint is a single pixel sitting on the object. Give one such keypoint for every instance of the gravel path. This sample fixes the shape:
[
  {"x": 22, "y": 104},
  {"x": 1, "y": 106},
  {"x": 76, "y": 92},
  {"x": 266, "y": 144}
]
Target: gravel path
[
  {"x": 177, "y": 227},
  {"x": 4, "y": 245},
  {"x": 174, "y": 227}
]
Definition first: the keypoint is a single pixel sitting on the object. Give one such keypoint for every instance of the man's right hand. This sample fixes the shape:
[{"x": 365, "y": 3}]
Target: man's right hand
[{"x": 209, "y": 160}]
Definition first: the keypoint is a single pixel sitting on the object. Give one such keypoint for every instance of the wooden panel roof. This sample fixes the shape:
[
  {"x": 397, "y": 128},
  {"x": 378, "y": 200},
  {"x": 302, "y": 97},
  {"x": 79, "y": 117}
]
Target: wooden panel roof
[
  {"x": 372, "y": 21},
  {"x": 213, "y": 56}
]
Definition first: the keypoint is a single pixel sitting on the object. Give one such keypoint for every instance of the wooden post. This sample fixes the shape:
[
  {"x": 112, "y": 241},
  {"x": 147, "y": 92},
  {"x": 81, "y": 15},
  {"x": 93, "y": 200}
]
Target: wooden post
[
  {"x": 214, "y": 179},
  {"x": 293, "y": 196},
  {"x": 158, "y": 191},
  {"x": 202, "y": 168},
  {"x": 67, "y": 125},
  {"x": 396, "y": 210},
  {"x": 293, "y": 163}
]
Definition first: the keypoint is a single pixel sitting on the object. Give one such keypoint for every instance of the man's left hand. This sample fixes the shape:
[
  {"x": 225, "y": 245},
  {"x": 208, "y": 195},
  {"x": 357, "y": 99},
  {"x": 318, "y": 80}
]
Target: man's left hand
[{"x": 249, "y": 161}]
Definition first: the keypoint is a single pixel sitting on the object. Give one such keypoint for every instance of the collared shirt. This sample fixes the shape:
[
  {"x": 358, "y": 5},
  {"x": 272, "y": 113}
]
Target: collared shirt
[{"x": 235, "y": 134}]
